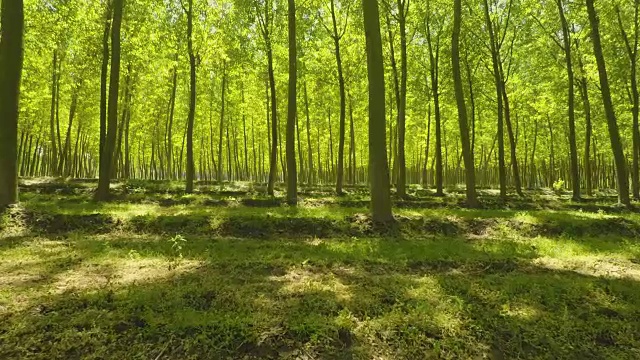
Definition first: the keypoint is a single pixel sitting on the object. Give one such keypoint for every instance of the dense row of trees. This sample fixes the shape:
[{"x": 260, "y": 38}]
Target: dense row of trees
[{"x": 189, "y": 89}]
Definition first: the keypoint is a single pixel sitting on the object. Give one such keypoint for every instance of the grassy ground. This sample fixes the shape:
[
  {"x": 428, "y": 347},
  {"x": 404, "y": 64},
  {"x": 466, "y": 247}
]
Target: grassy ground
[{"x": 229, "y": 273}]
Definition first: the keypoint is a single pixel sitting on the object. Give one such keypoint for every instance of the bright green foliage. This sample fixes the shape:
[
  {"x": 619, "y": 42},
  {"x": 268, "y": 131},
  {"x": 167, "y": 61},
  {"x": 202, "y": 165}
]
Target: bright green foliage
[{"x": 228, "y": 39}]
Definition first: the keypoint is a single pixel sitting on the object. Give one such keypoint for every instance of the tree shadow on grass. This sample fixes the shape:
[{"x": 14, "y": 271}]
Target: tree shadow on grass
[{"x": 327, "y": 300}]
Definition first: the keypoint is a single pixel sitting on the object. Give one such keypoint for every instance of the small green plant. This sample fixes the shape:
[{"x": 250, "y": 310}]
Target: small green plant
[
  {"x": 177, "y": 243},
  {"x": 558, "y": 186}
]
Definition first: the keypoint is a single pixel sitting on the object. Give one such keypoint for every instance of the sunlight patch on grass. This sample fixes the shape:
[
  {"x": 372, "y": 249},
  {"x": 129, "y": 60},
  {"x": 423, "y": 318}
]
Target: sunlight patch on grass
[
  {"x": 613, "y": 268},
  {"x": 301, "y": 280},
  {"x": 521, "y": 311}
]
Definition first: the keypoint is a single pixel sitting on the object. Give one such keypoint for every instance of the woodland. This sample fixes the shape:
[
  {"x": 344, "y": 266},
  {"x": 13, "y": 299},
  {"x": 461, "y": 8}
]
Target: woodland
[{"x": 319, "y": 179}]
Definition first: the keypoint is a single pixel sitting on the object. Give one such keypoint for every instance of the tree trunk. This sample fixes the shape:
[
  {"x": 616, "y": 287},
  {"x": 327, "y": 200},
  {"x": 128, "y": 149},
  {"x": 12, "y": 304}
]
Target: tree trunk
[
  {"x": 612, "y": 124},
  {"x": 378, "y": 167},
  {"x": 401, "y": 185},
  {"x": 336, "y": 40},
  {"x": 172, "y": 106},
  {"x": 52, "y": 119},
  {"x": 66, "y": 153},
  {"x": 573, "y": 149},
  {"x": 310, "y": 180},
  {"x": 434, "y": 59},
  {"x": 273, "y": 156},
  {"x": 106, "y": 156},
  {"x": 512, "y": 139},
  {"x": 104, "y": 73},
  {"x": 632, "y": 51},
  {"x": 11, "y": 59},
  {"x": 469, "y": 166},
  {"x": 192, "y": 101},
  {"x": 292, "y": 177},
  {"x": 584, "y": 93},
  {"x": 495, "y": 57}
]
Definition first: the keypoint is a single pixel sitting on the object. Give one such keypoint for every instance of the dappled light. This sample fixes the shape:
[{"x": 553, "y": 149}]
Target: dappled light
[
  {"x": 319, "y": 179},
  {"x": 204, "y": 280}
]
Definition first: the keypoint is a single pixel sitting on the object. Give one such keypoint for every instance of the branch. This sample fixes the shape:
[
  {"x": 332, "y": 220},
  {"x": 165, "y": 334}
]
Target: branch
[{"x": 549, "y": 33}]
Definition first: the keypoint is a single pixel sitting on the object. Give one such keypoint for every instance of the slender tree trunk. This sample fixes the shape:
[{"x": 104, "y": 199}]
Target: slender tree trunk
[
  {"x": 495, "y": 57},
  {"x": 512, "y": 139},
  {"x": 352, "y": 147},
  {"x": 612, "y": 124},
  {"x": 222, "y": 108},
  {"x": 11, "y": 59},
  {"x": 434, "y": 57},
  {"x": 378, "y": 167},
  {"x": 469, "y": 166},
  {"x": 584, "y": 93},
  {"x": 292, "y": 177},
  {"x": 52, "y": 120},
  {"x": 104, "y": 73},
  {"x": 172, "y": 106},
  {"x": 65, "y": 159},
  {"x": 106, "y": 156},
  {"x": 310, "y": 180},
  {"x": 573, "y": 149},
  {"x": 192, "y": 100},
  {"x": 401, "y": 185},
  {"x": 273, "y": 156},
  {"x": 244, "y": 136},
  {"x": 632, "y": 51}
]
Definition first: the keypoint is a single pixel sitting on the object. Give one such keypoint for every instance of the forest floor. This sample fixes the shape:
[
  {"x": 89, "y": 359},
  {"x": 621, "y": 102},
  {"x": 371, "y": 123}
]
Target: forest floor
[{"x": 229, "y": 273}]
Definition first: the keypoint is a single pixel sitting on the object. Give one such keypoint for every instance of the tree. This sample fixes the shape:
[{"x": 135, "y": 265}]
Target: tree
[
  {"x": 11, "y": 58},
  {"x": 612, "y": 124},
  {"x": 292, "y": 180},
  {"x": 106, "y": 156},
  {"x": 631, "y": 46},
  {"x": 496, "y": 61},
  {"x": 265, "y": 22},
  {"x": 434, "y": 72},
  {"x": 192, "y": 99},
  {"x": 403, "y": 12},
  {"x": 378, "y": 167},
  {"x": 573, "y": 149},
  {"x": 463, "y": 122}
]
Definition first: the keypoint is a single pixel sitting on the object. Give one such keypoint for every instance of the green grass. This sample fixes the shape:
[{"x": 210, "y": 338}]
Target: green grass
[{"x": 191, "y": 281}]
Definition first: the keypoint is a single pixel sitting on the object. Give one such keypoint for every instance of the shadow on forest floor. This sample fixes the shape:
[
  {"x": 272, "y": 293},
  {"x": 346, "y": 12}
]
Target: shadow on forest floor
[
  {"x": 231, "y": 273},
  {"x": 128, "y": 297}
]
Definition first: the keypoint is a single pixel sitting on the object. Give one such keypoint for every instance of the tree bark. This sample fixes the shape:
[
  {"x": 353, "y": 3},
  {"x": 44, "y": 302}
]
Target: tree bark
[
  {"x": 102, "y": 193},
  {"x": 192, "y": 101},
  {"x": 495, "y": 57},
  {"x": 612, "y": 124},
  {"x": 573, "y": 149},
  {"x": 378, "y": 167},
  {"x": 469, "y": 166},
  {"x": 11, "y": 59},
  {"x": 292, "y": 177}
]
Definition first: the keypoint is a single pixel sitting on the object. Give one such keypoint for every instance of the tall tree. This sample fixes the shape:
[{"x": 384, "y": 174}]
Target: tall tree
[
  {"x": 403, "y": 12},
  {"x": 496, "y": 61},
  {"x": 104, "y": 74},
  {"x": 631, "y": 45},
  {"x": 612, "y": 123},
  {"x": 337, "y": 35},
  {"x": 378, "y": 167},
  {"x": 11, "y": 58},
  {"x": 573, "y": 148},
  {"x": 433, "y": 45},
  {"x": 463, "y": 122},
  {"x": 292, "y": 179},
  {"x": 106, "y": 156},
  {"x": 265, "y": 22},
  {"x": 192, "y": 99}
]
